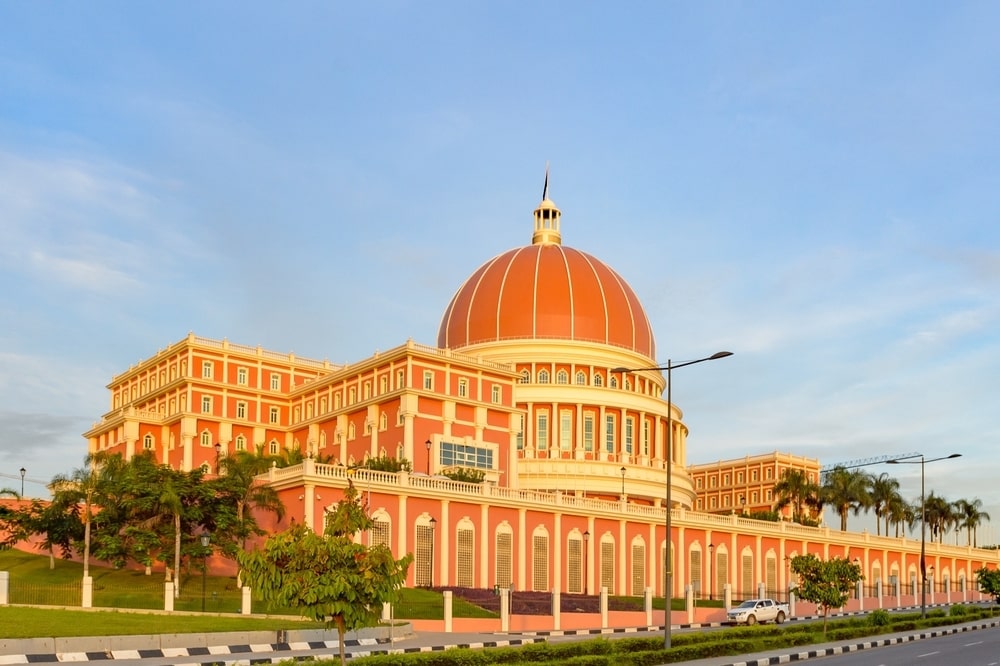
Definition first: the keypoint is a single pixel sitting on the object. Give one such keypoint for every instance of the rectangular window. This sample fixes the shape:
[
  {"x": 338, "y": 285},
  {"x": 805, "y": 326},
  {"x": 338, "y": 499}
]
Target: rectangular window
[
  {"x": 645, "y": 437},
  {"x": 463, "y": 388},
  {"x": 629, "y": 429},
  {"x": 206, "y": 404},
  {"x": 352, "y": 396},
  {"x": 588, "y": 432},
  {"x": 609, "y": 433},
  {"x": 497, "y": 395},
  {"x": 465, "y": 455},
  {"x": 566, "y": 430},
  {"x": 428, "y": 380},
  {"x": 400, "y": 374},
  {"x": 520, "y": 433},
  {"x": 274, "y": 415},
  {"x": 275, "y": 381},
  {"x": 542, "y": 432},
  {"x": 241, "y": 376},
  {"x": 206, "y": 369},
  {"x": 241, "y": 409}
]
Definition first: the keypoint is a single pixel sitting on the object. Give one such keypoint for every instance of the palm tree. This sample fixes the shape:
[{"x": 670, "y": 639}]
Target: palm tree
[
  {"x": 883, "y": 489},
  {"x": 846, "y": 490},
  {"x": 10, "y": 491},
  {"x": 970, "y": 516},
  {"x": 940, "y": 516},
  {"x": 795, "y": 489}
]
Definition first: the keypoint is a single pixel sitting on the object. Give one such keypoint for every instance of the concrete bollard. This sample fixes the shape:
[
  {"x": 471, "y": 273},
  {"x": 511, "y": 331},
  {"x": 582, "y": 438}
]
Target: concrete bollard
[
  {"x": 246, "y": 602},
  {"x": 604, "y": 607},
  {"x": 447, "y": 594},
  {"x": 761, "y": 591},
  {"x": 88, "y": 592},
  {"x": 647, "y": 605},
  {"x": 4, "y": 588},
  {"x": 168, "y": 596},
  {"x": 859, "y": 590},
  {"x": 791, "y": 603},
  {"x": 727, "y": 596},
  {"x": 878, "y": 592},
  {"x": 505, "y": 610},
  {"x": 689, "y": 602}
]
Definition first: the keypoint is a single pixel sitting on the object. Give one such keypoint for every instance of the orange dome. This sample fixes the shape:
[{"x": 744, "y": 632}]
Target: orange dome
[{"x": 546, "y": 291}]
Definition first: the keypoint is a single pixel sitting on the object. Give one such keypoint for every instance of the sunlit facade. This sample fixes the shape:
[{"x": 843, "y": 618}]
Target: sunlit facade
[{"x": 521, "y": 387}]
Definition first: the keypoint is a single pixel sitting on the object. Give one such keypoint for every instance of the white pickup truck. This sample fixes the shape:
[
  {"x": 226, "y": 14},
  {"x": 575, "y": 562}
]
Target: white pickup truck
[{"x": 753, "y": 611}]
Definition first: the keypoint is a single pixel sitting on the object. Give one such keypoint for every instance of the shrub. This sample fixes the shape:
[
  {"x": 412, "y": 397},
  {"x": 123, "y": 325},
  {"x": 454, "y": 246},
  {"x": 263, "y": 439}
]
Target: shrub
[
  {"x": 880, "y": 618},
  {"x": 958, "y": 610}
]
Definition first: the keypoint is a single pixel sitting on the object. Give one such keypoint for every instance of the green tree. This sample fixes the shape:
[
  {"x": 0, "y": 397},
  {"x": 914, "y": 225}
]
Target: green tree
[
  {"x": 883, "y": 490},
  {"x": 970, "y": 516},
  {"x": 328, "y": 577},
  {"x": 796, "y": 490},
  {"x": 989, "y": 582},
  {"x": 846, "y": 490},
  {"x": 825, "y": 583},
  {"x": 58, "y": 524},
  {"x": 940, "y": 515}
]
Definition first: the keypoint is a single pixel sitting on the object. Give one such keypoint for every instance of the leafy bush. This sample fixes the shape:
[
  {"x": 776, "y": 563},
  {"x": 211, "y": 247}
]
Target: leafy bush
[
  {"x": 879, "y": 618},
  {"x": 958, "y": 610},
  {"x": 466, "y": 475}
]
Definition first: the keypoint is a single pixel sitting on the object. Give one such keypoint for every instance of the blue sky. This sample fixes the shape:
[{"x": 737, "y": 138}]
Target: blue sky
[{"x": 814, "y": 187}]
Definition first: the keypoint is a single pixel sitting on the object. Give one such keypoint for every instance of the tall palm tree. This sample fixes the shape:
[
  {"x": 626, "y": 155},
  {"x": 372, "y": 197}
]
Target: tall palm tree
[
  {"x": 846, "y": 490},
  {"x": 883, "y": 489},
  {"x": 794, "y": 489},
  {"x": 940, "y": 516},
  {"x": 970, "y": 516}
]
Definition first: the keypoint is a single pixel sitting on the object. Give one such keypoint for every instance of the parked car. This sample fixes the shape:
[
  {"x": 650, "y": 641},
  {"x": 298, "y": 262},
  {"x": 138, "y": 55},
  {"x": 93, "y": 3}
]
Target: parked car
[{"x": 753, "y": 611}]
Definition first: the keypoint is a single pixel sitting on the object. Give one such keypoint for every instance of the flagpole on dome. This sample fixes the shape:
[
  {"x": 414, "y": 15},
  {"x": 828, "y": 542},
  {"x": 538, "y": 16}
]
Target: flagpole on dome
[{"x": 545, "y": 190}]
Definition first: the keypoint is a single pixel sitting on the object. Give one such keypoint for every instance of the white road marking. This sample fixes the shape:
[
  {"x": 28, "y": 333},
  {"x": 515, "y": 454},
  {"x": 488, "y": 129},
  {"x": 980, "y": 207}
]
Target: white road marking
[{"x": 928, "y": 654}]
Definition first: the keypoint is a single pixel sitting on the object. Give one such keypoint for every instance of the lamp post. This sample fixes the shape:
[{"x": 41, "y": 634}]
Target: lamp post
[
  {"x": 923, "y": 520},
  {"x": 623, "y": 481},
  {"x": 743, "y": 505},
  {"x": 218, "y": 454},
  {"x": 206, "y": 539},
  {"x": 23, "y": 472},
  {"x": 428, "y": 445},
  {"x": 711, "y": 588},
  {"x": 586, "y": 546},
  {"x": 430, "y": 575},
  {"x": 668, "y": 560}
]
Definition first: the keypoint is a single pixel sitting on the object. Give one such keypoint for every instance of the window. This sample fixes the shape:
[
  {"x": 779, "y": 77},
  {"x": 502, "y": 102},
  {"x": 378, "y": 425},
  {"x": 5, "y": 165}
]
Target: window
[
  {"x": 629, "y": 429},
  {"x": 367, "y": 391},
  {"x": 147, "y": 442},
  {"x": 497, "y": 394},
  {"x": 543, "y": 376},
  {"x": 383, "y": 384},
  {"x": 275, "y": 381},
  {"x": 525, "y": 377},
  {"x": 609, "y": 433},
  {"x": 628, "y": 385},
  {"x": 352, "y": 395},
  {"x": 206, "y": 438},
  {"x": 697, "y": 483},
  {"x": 400, "y": 376},
  {"x": 753, "y": 475},
  {"x": 428, "y": 380},
  {"x": 581, "y": 379},
  {"x": 383, "y": 421},
  {"x": 725, "y": 480},
  {"x": 463, "y": 388},
  {"x": 711, "y": 481},
  {"x": 598, "y": 380},
  {"x": 753, "y": 497},
  {"x": 206, "y": 370},
  {"x": 542, "y": 431},
  {"x": 562, "y": 377},
  {"x": 206, "y": 404},
  {"x": 322, "y": 406},
  {"x": 368, "y": 426},
  {"x": 352, "y": 432},
  {"x": 241, "y": 409},
  {"x": 336, "y": 401},
  {"x": 520, "y": 433},
  {"x": 274, "y": 415},
  {"x": 613, "y": 382},
  {"x": 566, "y": 430},
  {"x": 241, "y": 443},
  {"x": 272, "y": 448},
  {"x": 588, "y": 432},
  {"x": 769, "y": 473},
  {"x": 539, "y": 562},
  {"x": 739, "y": 477},
  {"x": 465, "y": 455},
  {"x": 645, "y": 437},
  {"x": 241, "y": 376}
]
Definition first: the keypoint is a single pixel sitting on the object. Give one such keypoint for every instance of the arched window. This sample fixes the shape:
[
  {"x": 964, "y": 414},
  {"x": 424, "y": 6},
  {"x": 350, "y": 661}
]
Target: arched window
[
  {"x": 562, "y": 377},
  {"x": 503, "y": 551},
  {"x": 581, "y": 379},
  {"x": 607, "y": 564},
  {"x": 241, "y": 443},
  {"x": 351, "y": 431},
  {"x": 148, "y": 442},
  {"x": 383, "y": 421},
  {"x": 613, "y": 382},
  {"x": 525, "y": 377},
  {"x": 543, "y": 376},
  {"x": 598, "y": 380},
  {"x": 206, "y": 438},
  {"x": 540, "y": 560},
  {"x": 465, "y": 552},
  {"x": 638, "y": 566}
]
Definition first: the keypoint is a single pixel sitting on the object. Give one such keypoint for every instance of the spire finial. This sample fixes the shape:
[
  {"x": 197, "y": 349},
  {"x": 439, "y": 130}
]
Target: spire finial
[
  {"x": 545, "y": 190},
  {"x": 546, "y": 218}
]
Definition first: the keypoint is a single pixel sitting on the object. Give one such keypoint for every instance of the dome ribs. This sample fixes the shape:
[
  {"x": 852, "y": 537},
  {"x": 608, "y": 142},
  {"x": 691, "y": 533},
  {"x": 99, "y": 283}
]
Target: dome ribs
[{"x": 552, "y": 293}]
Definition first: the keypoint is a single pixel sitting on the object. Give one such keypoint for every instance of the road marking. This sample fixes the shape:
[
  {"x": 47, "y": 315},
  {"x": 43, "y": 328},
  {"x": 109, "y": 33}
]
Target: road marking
[
  {"x": 976, "y": 643},
  {"x": 928, "y": 654}
]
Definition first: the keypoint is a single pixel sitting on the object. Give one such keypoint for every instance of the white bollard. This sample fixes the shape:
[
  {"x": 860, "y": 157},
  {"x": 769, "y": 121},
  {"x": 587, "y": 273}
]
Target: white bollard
[
  {"x": 689, "y": 602},
  {"x": 447, "y": 594},
  {"x": 246, "y": 603},
  {"x": 556, "y": 608},
  {"x": 604, "y": 607},
  {"x": 727, "y": 596},
  {"x": 88, "y": 592},
  {"x": 4, "y": 588},
  {"x": 168, "y": 596},
  {"x": 505, "y": 609},
  {"x": 647, "y": 605}
]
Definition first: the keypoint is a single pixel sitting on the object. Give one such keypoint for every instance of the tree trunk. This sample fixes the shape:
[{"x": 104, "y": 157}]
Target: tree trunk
[{"x": 177, "y": 554}]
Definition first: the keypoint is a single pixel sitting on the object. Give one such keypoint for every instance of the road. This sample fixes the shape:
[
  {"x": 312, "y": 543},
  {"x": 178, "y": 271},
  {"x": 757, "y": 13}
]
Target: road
[{"x": 976, "y": 648}]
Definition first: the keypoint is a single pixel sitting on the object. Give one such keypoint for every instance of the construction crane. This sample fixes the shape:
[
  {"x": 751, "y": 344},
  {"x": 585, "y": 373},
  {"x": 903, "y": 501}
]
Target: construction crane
[{"x": 865, "y": 462}]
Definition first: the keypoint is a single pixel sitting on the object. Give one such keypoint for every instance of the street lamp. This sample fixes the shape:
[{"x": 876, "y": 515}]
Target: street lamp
[
  {"x": 668, "y": 564},
  {"x": 586, "y": 545},
  {"x": 623, "y": 482},
  {"x": 23, "y": 472},
  {"x": 428, "y": 445},
  {"x": 923, "y": 520},
  {"x": 431, "y": 574},
  {"x": 743, "y": 505},
  {"x": 218, "y": 453},
  {"x": 711, "y": 588},
  {"x": 206, "y": 539}
]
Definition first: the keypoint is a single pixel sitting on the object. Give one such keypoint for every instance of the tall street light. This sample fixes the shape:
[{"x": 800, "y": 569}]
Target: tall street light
[
  {"x": 669, "y": 563},
  {"x": 923, "y": 520},
  {"x": 711, "y": 588},
  {"x": 623, "y": 481},
  {"x": 428, "y": 445},
  {"x": 23, "y": 472},
  {"x": 586, "y": 545}
]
